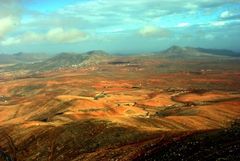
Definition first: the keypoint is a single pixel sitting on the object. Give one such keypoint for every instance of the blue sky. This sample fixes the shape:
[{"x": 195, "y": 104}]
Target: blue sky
[{"x": 117, "y": 26}]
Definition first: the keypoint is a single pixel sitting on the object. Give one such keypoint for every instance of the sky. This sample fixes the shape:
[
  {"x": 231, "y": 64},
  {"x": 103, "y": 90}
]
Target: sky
[{"x": 126, "y": 26}]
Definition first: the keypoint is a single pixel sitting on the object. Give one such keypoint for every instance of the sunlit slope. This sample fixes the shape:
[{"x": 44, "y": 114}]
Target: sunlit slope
[
  {"x": 63, "y": 60},
  {"x": 100, "y": 110}
]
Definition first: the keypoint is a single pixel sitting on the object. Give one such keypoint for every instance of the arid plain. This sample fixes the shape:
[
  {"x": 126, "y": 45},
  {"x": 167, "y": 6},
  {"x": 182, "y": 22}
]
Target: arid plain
[{"x": 120, "y": 108}]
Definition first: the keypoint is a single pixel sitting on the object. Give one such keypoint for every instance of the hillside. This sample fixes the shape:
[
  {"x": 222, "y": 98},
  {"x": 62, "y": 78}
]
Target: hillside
[
  {"x": 64, "y": 60},
  {"x": 219, "y": 52},
  {"x": 22, "y": 58},
  {"x": 96, "y": 57},
  {"x": 118, "y": 112},
  {"x": 119, "y": 108},
  {"x": 220, "y": 144},
  {"x": 177, "y": 52}
]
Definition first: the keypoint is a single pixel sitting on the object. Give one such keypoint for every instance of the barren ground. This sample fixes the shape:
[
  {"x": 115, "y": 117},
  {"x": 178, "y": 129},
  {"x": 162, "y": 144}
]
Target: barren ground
[{"x": 111, "y": 111}]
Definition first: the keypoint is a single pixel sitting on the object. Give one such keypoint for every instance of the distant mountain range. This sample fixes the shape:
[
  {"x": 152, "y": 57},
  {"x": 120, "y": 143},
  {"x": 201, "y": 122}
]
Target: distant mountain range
[
  {"x": 177, "y": 52},
  {"x": 219, "y": 52},
  {"x": 22, "y": 58},
  {"x": 65, "y": 60},
  {"x": 37, "y": 62}
]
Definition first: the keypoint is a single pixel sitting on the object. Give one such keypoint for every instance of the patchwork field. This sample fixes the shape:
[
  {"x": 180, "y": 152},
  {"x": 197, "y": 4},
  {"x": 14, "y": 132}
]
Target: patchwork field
[{"x": 113, "y": 111}]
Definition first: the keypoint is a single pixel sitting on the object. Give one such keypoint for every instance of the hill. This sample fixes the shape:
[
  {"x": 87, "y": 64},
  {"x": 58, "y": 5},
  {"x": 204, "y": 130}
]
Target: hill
[
  {"x": 122, "y": 108},
  {"x": 218, "y": 144},
  {"x": 22, "y": 58},
  {"x": 177, "y": 52},
  {"x": 95, "y": 57},
  {"x": 219, "y": 52},
  {"x": 65, "y": 60}
]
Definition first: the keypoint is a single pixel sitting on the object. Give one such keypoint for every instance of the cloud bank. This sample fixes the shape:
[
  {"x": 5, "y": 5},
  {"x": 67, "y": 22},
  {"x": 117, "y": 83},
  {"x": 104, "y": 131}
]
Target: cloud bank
[
  {"x": 108, "y": 24},
  {"x": 152, "y": 31},
  {"x": 55, "y": 35}
]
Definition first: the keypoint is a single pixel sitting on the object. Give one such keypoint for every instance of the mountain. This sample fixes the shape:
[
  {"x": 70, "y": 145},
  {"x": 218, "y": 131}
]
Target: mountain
[
  {"x": 62, "y": 60},
  {"x": 7, "y": 59},
  {"x": 97, "y": 53},
  {"x": 219, "y": 52},
  {"x": 65, "y": 60},
  {"x": 74, "y": 60},
  {"x": 22, "y": 58},
  {"x": 96, "y": 56},
  {"x": 177, "y": 52},
  {"x": 175, "y": 49}
]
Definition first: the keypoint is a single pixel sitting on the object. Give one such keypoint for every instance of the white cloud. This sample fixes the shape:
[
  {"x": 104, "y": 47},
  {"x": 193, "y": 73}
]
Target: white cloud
[
  {"x": 183, "y": 24},
  {"x": 209, "y": 36},
  {"x": 10, "y": 41},
  {"x": 191, "y": 6},
  {"x": 153, "y": 31},
  {"x": 29, "y": 37},
  {"x": 7, "y": 24},
  {"x": 218, "y": 23},
  {"x": 97, "y": 14},
  {"x": 55, "y": 35},
  {"x": 10, "y": 16},
  {"x": 113, "y": 19},
  {"x": 226, "y": 14},
  {"x": 32, "y": 37},
  {"x": 60, "y": 35}
]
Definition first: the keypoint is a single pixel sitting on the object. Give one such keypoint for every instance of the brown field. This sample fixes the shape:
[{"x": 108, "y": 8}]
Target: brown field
[{"x": 112, "y": 111}]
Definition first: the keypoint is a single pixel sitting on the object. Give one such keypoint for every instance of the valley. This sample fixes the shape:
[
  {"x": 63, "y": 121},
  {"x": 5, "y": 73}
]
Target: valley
[{"x": 110, "y": 107}]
